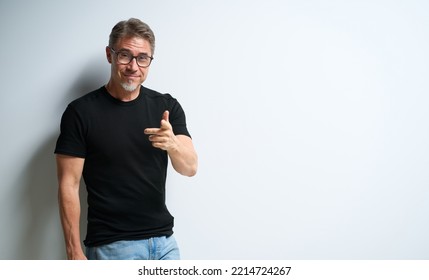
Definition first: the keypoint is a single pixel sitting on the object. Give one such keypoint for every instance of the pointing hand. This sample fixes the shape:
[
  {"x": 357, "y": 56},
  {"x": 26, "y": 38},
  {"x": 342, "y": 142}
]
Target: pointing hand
[{"x": 163, "y": 137}]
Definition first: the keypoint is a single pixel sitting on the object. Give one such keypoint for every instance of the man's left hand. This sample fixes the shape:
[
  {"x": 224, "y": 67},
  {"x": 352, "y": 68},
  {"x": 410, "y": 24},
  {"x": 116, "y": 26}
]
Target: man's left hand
[{"x": 163, "y": 137}]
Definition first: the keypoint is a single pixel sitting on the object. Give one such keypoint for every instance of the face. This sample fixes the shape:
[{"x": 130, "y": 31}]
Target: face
[{"x": 130, "y": 76}]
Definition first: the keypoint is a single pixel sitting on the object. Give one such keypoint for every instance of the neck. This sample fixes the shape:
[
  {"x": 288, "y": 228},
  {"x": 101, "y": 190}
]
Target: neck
[{"x": 118, "y": 92}]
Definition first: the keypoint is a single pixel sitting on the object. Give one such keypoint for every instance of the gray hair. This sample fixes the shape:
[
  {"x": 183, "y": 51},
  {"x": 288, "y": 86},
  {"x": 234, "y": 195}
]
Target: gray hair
[{"x": 132, "y": 28}]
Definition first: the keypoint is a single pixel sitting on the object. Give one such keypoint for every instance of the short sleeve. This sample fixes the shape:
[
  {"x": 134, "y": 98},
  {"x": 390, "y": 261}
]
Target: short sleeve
[
  {"x": 71, "y": 140},
  {"x": 178, "y": 119}
]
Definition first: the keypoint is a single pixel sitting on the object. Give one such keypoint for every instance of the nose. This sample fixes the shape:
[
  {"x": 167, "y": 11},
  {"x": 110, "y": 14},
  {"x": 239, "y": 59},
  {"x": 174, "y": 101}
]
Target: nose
[{"x": 133, "y": 64}]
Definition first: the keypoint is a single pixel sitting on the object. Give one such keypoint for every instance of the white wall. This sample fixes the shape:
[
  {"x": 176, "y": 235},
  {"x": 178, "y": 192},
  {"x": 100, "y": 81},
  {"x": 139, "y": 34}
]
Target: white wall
[{"x": 310, "y": 119}]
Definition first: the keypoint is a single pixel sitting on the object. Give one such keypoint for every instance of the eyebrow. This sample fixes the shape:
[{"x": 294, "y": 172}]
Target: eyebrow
[{"x": 128, "y": 50}]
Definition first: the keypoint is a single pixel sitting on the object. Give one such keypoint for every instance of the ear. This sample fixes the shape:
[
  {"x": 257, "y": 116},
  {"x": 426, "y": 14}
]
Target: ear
[{"x": 109, "y": 55}]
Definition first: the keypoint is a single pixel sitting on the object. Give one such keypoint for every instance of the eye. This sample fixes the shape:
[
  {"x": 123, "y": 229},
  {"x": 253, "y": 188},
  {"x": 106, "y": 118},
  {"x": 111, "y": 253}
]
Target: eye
[
  {"x": 123, "y": 55},
  {"x": 143, "y": 57}
]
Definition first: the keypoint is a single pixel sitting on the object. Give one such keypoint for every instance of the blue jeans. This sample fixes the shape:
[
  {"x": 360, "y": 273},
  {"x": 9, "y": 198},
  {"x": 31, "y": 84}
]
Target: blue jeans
[{"x": 155, "y": 248}]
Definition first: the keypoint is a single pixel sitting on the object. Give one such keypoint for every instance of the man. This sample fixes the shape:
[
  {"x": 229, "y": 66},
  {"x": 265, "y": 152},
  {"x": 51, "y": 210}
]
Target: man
[{"x": 119, "y": 137}]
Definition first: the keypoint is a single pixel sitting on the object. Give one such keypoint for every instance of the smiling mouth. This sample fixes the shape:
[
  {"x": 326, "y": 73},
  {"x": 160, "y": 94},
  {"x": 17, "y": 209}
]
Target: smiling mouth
[{"x": 131, "y": 76}]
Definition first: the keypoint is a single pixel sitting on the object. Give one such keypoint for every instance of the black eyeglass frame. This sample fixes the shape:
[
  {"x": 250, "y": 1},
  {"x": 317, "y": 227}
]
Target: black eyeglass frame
[{"x": 132, "y": 57}]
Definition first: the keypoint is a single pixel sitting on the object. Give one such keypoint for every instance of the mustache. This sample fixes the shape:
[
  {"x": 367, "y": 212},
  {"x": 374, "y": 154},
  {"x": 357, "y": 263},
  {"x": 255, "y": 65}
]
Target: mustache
[{"x": 130, "y": 72}]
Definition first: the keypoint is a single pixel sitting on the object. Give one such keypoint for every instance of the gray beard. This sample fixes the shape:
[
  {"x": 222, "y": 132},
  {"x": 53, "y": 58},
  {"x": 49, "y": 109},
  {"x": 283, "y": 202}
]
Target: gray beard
[{"x": 129, "y": 87}]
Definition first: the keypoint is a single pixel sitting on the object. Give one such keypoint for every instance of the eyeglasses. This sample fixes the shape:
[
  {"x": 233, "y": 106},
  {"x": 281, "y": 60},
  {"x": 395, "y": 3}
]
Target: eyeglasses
[{"x": 125, "y": 57}]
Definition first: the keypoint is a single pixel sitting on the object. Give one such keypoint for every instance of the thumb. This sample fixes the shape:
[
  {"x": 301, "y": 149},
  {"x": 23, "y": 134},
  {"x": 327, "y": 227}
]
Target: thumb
[
  {"x": 166, "y": 115},
  {"x": 165, "y": 119}
]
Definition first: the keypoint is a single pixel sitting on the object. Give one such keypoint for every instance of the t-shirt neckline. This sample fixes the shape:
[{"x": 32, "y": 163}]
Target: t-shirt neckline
[{"x": 120, "y": 102}]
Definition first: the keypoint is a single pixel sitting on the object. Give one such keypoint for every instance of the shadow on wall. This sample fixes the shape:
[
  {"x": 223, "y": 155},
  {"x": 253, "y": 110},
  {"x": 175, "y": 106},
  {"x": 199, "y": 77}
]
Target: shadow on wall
[{"x": 41, "y": 235}]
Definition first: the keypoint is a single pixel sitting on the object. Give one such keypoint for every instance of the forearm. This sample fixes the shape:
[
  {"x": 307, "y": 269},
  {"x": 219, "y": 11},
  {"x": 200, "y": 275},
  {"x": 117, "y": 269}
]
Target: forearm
[
  {"x": 69, "y": 204},
  {"x": 183, "y": 156},
  {"x": 69, "y": 173}
]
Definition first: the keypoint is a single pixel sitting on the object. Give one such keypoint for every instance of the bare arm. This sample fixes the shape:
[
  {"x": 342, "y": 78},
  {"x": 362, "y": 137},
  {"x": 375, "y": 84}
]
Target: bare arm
[
  {"x": 179, "y": 147},
  {"x": 69, "y": 171},
  {"x": 183, "y": 156}
]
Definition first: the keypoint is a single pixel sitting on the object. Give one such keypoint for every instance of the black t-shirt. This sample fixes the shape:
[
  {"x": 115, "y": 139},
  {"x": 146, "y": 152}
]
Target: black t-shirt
[{"x": 124, "y": 174}]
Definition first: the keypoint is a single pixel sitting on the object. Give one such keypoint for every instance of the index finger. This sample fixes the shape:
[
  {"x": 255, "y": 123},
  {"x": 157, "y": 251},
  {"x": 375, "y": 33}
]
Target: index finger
[{"x": 151, "y": 131}]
